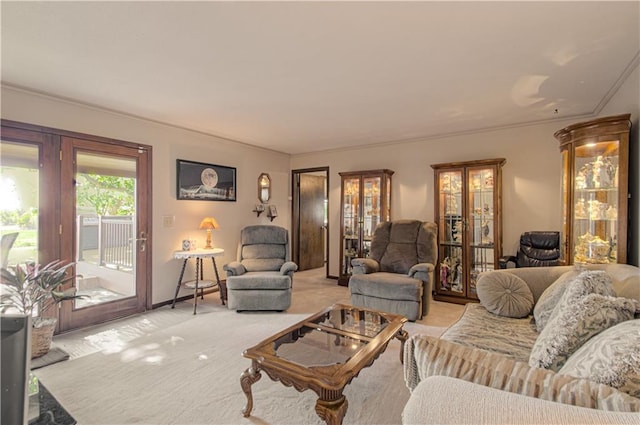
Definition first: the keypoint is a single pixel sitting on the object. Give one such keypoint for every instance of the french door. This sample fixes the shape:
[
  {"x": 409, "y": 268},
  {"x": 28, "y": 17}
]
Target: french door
[
  {"x": 91, "y": 198},
  {"x": 105, "y": 229}
]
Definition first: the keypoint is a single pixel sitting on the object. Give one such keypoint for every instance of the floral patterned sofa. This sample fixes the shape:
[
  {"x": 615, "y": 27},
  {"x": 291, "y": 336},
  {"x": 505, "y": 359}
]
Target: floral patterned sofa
[{"x": 544, "y": 345}]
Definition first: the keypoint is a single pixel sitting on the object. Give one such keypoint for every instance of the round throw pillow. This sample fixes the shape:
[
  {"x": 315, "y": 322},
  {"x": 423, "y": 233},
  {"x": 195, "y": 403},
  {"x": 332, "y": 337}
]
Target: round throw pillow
[{"x": 504, "y": 294}]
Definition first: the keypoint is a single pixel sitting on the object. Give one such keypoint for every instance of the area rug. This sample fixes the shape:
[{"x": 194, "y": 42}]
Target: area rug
[
  {"x": 189, "y": 373},
  {"x": 54, "y": 355}
]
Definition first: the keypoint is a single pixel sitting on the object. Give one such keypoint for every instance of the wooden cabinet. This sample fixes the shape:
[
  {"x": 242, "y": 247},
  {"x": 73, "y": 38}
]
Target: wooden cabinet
[
  {"x": 595, "y": 190},
  {"x": 366, "y": 201},
  {"x": 468, "y": 213}
]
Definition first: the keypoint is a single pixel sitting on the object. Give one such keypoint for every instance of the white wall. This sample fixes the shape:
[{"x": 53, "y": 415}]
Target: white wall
[
  {"x": 531, "y": 175},
  {"x": 170, "y": 143},
  {"x": 625, "y": 101}
]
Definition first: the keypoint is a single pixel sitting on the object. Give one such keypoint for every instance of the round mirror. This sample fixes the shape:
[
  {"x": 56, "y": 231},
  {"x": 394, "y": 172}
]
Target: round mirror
[{"x": 264, "y": 188}]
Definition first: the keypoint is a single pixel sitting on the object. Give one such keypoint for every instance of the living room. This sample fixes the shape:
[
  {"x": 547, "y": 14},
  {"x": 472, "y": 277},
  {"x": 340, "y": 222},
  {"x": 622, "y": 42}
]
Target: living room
[{"x": 531, "y": 198}]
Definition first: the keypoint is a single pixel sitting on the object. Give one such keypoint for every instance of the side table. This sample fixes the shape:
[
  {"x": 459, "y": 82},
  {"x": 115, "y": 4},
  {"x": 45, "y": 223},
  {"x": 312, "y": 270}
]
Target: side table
[{"x": 198, "y": 283}]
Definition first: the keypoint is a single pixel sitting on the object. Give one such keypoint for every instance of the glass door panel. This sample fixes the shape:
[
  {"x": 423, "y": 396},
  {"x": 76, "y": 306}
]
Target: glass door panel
[
  {"x": 351, "y": 222},
  {"x": 595, "y": 218},
  {"x": 451, "y": 228},
  {"x": 480, "y": 224},
  {"x": 19, "y": 184},
  {"x": 371, "y": 211},
  {"x": 105, "y": 228}
]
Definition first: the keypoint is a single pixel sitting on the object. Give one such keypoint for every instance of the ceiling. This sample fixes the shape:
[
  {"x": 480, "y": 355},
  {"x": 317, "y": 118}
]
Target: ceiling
[{"x": 301, "y": 77}]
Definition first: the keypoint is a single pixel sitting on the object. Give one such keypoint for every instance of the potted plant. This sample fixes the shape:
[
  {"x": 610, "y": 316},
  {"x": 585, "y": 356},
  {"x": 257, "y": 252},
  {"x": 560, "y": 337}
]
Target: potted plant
[{"x": 33, "y": 289}]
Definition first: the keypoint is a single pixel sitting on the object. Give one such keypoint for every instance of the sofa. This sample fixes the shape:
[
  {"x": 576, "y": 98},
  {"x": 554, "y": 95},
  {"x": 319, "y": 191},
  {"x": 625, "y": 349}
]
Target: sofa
[{"x": 543, "y": 345}]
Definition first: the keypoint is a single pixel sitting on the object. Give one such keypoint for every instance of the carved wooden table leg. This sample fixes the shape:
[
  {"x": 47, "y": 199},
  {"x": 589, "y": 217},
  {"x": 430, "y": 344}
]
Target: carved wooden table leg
[
  {"x": 332, "y": 411},
  {"x": 402, "y": 335},
  {"x": 248, "y": 378}
]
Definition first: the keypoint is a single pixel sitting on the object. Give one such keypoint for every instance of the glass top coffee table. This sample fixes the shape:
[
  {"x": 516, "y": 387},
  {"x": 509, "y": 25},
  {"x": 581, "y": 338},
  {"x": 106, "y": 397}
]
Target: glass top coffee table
[{"x": 324, "y": 353}]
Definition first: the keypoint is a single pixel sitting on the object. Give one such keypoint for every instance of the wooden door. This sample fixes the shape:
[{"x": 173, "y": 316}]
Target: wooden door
[
  {"x": 312, "y": 225},
  {"x": 105, "y": 228},
  {"x": 310, "y": 222}
]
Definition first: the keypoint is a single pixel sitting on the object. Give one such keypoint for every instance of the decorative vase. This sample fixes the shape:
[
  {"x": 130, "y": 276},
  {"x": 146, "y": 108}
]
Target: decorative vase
[{"x": 41, "y": 337}]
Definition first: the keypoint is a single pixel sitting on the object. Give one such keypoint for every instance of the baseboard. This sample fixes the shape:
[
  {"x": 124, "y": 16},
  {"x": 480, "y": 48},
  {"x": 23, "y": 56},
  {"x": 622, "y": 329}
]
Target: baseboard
[{"x": 184, "y": 298}]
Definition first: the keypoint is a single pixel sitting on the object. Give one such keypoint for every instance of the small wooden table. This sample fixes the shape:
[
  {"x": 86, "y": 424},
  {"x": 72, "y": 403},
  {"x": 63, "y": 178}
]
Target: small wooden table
[
  {"x": 324, "y": 353},
  {"x": 199, "y": 282}
]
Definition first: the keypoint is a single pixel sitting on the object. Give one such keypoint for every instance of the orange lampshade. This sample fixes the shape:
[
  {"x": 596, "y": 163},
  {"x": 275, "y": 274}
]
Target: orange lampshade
[{"x": 209, "y": 223}]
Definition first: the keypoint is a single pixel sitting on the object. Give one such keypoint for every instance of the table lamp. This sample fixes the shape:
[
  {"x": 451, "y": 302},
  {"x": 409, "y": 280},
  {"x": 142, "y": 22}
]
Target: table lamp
[{"x": 209, "y": 223}]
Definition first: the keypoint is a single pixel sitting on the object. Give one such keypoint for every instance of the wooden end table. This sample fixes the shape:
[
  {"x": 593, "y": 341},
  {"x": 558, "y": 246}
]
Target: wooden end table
[{"x": 324, "y": 353}]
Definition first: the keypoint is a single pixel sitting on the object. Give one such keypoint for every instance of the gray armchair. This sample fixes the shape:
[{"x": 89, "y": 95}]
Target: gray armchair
[
  {"x": 398, "y": 275},
  {"x": 262, "y": 276}
]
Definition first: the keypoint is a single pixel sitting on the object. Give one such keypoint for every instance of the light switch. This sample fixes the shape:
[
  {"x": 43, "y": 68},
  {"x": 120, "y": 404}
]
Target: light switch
[{"x": 168, "y": 220}]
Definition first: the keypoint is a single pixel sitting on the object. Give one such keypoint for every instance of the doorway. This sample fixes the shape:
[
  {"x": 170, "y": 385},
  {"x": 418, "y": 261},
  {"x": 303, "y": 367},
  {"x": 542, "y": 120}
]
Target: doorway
[
  {"x": 81, "y": 199},
  {"x": 310, "y": 227}
]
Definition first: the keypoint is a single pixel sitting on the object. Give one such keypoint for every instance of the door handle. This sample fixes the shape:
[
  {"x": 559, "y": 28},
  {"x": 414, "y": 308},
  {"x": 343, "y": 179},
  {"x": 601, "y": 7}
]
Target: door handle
[{"x": 143, "y": 241}]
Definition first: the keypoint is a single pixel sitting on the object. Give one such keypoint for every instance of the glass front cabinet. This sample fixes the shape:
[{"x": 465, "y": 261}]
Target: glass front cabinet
[
  {"x": 366, "y": 201},
  {"x": 468, "y": 213},
  {"x": 595, "y": 177}
]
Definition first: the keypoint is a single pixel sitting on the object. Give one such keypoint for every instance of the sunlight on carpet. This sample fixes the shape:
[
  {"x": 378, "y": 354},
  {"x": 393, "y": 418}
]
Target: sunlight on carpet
[{"x": 187, "y": 371}]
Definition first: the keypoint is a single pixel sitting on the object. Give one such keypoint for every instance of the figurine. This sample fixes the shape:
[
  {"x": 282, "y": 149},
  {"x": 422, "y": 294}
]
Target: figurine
[
  {"x": 597, "y": 168},
  {"x": 445, "y": 272},
  {"x": 488, "y": 181},
  {"x": 581, "y": 211}
]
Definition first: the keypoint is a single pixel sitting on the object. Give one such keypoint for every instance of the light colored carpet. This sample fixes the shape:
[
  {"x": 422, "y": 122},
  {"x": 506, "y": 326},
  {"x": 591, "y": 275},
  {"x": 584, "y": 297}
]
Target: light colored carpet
[
  {"x": 54, "y": 355},
  {"x": 178, "y": 369}
]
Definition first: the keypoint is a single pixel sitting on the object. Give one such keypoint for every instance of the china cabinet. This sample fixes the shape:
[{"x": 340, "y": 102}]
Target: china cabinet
[
  {"x": 595, "y": 177},
  {"x": 469, "y": 217},
  {"x": 366, "y": 201}
]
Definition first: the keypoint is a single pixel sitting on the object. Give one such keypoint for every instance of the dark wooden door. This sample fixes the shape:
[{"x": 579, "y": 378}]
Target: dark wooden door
[{"x": 312, "y": 224}]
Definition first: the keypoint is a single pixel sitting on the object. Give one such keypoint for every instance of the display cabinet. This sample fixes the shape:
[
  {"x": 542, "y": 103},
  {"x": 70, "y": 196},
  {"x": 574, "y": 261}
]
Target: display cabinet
[
  {"x": 595, "y": 190},
  {"x": 468, "y": 213},
  {"x": 366, "y": 201}
]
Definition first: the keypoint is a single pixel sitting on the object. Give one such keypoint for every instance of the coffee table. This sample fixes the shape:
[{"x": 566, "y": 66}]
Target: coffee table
[{"x": 324, "y": 353}]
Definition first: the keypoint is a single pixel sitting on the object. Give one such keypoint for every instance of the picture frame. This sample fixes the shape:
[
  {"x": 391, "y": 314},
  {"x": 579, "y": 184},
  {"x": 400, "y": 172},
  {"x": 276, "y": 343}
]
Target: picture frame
[{"x": 199, "y": 181}]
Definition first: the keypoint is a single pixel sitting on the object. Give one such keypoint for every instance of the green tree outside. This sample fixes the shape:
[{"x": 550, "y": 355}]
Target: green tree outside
[{"x": 106, "y": 195}]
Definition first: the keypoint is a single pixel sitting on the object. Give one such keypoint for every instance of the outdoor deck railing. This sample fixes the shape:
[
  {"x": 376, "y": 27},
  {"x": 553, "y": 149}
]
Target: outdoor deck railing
[{"x": 111, "y": 237}]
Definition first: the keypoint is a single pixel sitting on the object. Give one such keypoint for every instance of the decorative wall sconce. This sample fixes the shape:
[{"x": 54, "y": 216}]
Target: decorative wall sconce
[
  {"x": 259, "y": 209},
  {"x": 264, "y": 188},
  {"x": 273, "y": 212}
]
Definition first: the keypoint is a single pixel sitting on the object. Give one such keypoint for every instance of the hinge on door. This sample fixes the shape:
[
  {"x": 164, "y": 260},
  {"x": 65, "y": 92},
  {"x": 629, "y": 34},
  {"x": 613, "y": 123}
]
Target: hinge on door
[{"x": 60, "y": 229}]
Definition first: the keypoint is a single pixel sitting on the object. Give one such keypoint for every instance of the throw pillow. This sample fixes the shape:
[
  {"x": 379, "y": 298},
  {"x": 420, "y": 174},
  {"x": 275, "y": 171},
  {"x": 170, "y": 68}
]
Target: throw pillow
[
  {"x": 426, "y": 356},
  {"x": 588, "y": 282},
  {"x": 573, "y": 322},
  {"x": 628, "y": 287},
  {"x": 611, "y": 358},
  {"x": 550, "y": 298},
  {"x": 504, "y": 294}
]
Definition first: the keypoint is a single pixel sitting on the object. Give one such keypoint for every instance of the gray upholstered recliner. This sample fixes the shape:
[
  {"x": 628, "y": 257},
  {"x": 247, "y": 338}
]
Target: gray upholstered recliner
[
  {"x": 262, "y": 276},
  {"x": 398, "y": 275}
]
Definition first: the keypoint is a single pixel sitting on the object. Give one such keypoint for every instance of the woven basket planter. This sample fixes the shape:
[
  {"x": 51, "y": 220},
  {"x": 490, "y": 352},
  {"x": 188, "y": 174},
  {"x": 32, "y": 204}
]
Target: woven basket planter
[{"x": 41, "y": 338}]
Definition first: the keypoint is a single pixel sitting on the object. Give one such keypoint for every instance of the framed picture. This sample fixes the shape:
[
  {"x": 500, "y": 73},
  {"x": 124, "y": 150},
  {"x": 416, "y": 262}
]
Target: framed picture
[{"x": 205, "y": 182}]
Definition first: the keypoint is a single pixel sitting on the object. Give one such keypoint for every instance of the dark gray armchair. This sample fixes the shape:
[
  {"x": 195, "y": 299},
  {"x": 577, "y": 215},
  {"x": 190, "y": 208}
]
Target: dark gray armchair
[
  {"x": 262, "y": 276},
  {"x": 398, "y": 275}
]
